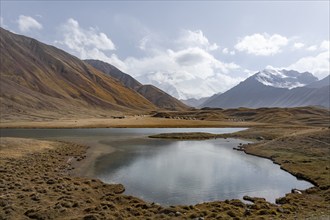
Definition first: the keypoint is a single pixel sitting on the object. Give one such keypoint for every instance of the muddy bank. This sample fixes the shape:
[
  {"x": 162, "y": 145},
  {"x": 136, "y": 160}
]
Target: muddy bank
[
  {"x": 84, "y": 166},
  {"x": 185, "y": 136}
]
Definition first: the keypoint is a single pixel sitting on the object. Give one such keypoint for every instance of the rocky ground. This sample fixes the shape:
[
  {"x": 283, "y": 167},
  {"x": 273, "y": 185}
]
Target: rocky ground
[{"x": 37, "y": 184}]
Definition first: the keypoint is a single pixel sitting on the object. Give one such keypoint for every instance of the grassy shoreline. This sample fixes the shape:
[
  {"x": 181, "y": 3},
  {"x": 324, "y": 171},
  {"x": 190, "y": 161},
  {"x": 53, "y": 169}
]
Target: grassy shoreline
[
  {"x": 259, "y": 143},
  {"x": 285, "y": 149},
  {"x": 313, "y": 203}
]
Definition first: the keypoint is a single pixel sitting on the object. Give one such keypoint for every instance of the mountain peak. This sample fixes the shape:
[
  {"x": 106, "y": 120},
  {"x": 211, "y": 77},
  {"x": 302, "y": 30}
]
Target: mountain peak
[
  {"x": 288, "y": 79},
  {"x": 38, "y": 79}
]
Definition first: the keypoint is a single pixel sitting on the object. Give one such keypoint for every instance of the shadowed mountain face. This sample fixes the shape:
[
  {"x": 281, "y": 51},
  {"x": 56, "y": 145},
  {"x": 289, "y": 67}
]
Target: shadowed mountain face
[
  {"x": 275, "y": 88},
  {"x": 36, "y": 77},
  {"x": 158, "y": 97}
]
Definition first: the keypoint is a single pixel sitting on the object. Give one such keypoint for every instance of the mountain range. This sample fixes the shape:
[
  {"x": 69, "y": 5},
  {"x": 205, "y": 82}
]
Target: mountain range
[
  {"x": 39, "y": 80},
  {"x": 275, "y": 88},
  {"x": 42, "y": 81},
  {"x": 155, "y": 95}
]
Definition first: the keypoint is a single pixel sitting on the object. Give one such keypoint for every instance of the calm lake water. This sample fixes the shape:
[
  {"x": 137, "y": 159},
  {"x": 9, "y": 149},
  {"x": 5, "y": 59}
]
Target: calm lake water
[{"x": 177, "y": 172}]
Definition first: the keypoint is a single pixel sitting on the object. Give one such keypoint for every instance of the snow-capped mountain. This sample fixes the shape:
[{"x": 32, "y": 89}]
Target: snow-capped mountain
[
  {"x": 284, "y": 78},
  {"x": 274, "y": 88}
]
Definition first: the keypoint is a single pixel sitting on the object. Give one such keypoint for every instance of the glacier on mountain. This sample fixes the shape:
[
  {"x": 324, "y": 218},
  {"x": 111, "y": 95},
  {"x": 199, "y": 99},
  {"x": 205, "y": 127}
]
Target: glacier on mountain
[{"x": 288, "y": 79}]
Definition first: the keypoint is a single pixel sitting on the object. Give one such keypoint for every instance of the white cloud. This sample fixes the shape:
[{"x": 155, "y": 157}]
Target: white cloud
[
  {"x": 88, "y": 43},
  {"x": 226, "y": 51},
  {"x": 80, "y": 39},
  {"x": 318, "y": 65},
  {"x": 261, "y": 44},
  {"x": 196, "y": 38},
  {"x": 312, "y": 48},
  {"x": 325, "y": 45},
  {"x": 184, "y": 70},
  {"x": 298, "y": 45},
  {"x": 213, "y": 46},
  {"x": 250, "y": 72},
  {"x": 143, "y": 42},
  {"x": 27, "y": 23},
  {"x": 184, "y": 73},
  {"x": 191, "y": 56}
]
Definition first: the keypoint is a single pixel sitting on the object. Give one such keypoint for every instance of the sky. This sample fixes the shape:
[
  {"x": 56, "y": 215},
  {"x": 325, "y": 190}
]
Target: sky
[{"x": 190, "y": 49}]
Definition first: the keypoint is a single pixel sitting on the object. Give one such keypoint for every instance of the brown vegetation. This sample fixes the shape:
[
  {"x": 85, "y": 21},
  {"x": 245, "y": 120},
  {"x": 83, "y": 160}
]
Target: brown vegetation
[
  {"x": 37, "y": 184},
  {"x": 299, "y": 116},
  {"x": 161, "y": 98},
  {"x": 104, "y": 121},
  {"x": 38, "y": 79},
  {"x": 42, "y": 86},
  {"x": 267, "y": 118}
]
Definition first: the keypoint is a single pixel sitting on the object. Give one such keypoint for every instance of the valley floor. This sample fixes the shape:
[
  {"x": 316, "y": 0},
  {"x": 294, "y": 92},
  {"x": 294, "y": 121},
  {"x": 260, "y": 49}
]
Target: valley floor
[
  {"x": 128, "y": 121},
  {"x": 36, "y": 180}
]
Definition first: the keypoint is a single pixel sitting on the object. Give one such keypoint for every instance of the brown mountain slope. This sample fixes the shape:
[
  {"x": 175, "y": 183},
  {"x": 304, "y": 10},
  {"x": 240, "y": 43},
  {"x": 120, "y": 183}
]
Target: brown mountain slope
[
  {"x": 158, "y": 97},
  {"x": 114, "y": 72},
  {"x": 36, "y": 77},
  {"x": 161, "y": 98}
]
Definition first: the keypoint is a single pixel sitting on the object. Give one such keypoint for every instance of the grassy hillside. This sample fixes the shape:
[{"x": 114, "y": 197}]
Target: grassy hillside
[{"x": 36, "y": 77}]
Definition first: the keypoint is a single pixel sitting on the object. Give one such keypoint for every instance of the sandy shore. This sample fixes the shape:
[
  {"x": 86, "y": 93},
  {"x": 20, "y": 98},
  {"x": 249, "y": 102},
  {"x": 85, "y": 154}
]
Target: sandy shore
[{"x": 36, "y": 182}]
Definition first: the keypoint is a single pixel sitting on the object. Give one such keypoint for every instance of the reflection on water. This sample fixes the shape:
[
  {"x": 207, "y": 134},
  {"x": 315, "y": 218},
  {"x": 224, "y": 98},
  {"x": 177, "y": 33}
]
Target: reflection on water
[
  {"x": 175, "y": 172},
  {"x": 96, "y": 133},
  {"x": 189, "y": 172}
]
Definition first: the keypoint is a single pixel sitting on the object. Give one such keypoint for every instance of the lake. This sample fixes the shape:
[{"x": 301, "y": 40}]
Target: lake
[{"x": 172, "y": 172}]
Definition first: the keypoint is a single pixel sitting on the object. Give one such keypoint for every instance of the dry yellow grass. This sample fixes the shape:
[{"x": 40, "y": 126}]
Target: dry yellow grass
[
  {"x": 38, "y": 177},
  {"x": 129, "y": 121},
  {"x": 297, "y": 139},
  {"x": 18, "y": 147}
]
